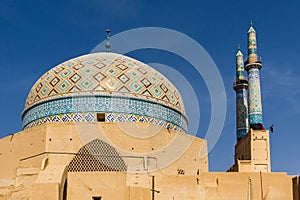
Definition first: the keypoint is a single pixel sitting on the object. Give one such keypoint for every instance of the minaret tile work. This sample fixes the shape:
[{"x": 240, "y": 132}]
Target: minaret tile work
[
  {"x": 240, "y": 86},
  {"x": 253, "y": 66},
  {"x": 252, "y": 150}
]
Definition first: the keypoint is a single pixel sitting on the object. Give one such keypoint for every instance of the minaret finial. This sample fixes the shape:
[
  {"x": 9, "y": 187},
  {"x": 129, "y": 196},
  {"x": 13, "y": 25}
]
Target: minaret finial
[
  {"x": 251, "y": 29},
  {"x": 107, "y": 44},
  {"x": 239, "y": 53}
]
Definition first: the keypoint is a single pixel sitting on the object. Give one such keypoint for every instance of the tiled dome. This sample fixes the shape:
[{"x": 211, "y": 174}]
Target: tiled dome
[{"x": 98, "y": 78}]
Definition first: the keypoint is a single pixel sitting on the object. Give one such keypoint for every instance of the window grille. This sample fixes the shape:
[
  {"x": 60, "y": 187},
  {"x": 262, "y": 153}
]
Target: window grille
[{"x": 97, "y": 156}]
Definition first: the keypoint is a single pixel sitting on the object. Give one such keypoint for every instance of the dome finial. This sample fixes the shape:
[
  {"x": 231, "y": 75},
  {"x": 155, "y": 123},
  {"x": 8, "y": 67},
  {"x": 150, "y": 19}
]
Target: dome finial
[
  {"x": 239, "y": 46},
  {"x": 107, "y": 44},
  {"x": 251, "y": 23}
]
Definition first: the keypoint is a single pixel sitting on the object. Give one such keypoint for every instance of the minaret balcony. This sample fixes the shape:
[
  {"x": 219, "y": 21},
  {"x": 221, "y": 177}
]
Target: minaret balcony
[
  {"x": 256, "y": 64},
  {"x": 247, "y": 62},
  {"x": 240, "y": 84}
]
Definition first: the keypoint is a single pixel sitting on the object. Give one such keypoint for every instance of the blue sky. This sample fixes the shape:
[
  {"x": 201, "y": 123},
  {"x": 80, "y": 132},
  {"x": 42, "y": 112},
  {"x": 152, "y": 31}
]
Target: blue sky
[{"x": 37, "y": 35}]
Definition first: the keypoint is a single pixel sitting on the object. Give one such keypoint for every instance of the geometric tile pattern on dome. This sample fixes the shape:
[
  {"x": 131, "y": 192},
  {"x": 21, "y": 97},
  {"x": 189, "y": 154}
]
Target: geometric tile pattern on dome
[
  {"x": 109, "y": 117},
  {"x": 105, "y": 73},
  {"x": 97, "y": 155},
  {"x": 102, "y": 104}
]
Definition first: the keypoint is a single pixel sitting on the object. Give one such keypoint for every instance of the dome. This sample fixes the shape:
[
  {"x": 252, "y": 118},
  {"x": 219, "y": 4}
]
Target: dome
[{"x": 107, "y": 87}]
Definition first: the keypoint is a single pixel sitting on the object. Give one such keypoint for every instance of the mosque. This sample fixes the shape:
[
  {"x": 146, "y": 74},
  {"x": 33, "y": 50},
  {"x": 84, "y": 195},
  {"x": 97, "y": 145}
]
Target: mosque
[{"x": 105, "y": 126}]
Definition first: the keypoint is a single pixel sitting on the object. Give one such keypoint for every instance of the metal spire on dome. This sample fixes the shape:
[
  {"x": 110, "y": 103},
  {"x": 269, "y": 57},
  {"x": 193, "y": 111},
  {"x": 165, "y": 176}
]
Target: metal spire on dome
[{"x": 107, "y": 44}]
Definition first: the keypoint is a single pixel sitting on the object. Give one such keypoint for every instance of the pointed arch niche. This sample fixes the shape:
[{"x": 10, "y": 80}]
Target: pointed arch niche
[
  {"x": 95, "y": 156},
  {"x": 96, "y": 172}
]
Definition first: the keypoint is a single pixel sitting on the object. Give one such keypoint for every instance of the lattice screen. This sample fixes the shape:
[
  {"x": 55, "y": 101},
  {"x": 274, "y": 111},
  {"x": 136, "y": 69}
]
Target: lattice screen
[{"x": 97, "y": 156}]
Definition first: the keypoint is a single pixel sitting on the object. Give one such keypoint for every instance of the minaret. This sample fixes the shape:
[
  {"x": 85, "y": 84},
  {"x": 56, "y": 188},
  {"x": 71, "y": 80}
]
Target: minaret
[
  {"x": 252, "y": 150},
  {"x": 253, "y": 66},
  {"x": 240, "y": 86}
]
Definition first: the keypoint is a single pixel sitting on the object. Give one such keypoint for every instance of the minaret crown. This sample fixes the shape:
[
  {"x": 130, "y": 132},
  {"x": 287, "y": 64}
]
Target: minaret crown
[
  {"x": 251, "y": 29},
  {"x": 239, "y": 53}
]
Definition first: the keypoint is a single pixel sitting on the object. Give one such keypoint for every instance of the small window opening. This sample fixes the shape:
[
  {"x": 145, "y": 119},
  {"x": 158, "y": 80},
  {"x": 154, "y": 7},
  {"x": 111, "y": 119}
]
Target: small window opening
[
  {"x": 101, "y": 117},
  {"x": 97, "y": 198},
  {"x": 180, "y": 171}
]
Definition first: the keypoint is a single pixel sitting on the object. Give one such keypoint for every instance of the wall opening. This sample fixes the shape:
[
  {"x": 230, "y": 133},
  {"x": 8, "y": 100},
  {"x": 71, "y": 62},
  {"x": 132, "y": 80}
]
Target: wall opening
[
  {"x": 100, "y": 117},
  {"x": 65, "y": 190}
]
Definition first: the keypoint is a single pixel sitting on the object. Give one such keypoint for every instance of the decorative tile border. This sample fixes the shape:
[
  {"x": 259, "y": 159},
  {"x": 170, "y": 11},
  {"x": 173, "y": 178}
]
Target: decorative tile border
[
  {"x": 109, "y": 117},
  {"x": 103, "y": 104}
]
